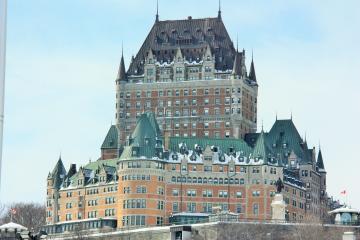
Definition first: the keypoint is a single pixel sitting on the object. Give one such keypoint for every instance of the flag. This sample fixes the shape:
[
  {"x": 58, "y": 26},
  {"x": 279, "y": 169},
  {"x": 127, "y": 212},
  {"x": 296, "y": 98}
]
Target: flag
[
  {"x": 13, "y": 211},
  {"x": 343, "y": 192}
]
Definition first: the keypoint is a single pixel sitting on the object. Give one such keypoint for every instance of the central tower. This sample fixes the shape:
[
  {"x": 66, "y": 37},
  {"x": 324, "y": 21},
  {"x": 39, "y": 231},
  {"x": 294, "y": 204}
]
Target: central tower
[{"x": 190, "y": 75}]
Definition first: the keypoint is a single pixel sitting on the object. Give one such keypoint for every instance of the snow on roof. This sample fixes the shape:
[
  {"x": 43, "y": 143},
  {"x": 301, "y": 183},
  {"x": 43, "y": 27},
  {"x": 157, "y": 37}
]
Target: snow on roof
[
  {"x": 191, "y": 214},
  {"x": 344, "y": 210},
  {"x": 13, "y": 226}
]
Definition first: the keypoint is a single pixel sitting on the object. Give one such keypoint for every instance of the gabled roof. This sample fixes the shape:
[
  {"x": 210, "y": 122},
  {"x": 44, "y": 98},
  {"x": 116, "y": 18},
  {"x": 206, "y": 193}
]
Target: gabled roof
[
  {"x": 192, "y": 36},
  {"x": 89, "y": 170},
  {"x": 111, "y": 139}
]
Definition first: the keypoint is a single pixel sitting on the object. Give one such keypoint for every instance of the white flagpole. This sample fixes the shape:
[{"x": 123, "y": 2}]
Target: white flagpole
[{"x": 3, "y": 9}]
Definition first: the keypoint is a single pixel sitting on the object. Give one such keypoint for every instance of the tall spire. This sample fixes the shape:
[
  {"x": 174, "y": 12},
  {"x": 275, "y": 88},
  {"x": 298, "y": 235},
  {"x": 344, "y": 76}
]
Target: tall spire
[
  {"x": 157, "y": 11},
  {"x": 121, "y": 73},
  {"x": 320, "y": 161},
  {"x": 252, "y": 74},
  {"x": 219, "y": 12}
]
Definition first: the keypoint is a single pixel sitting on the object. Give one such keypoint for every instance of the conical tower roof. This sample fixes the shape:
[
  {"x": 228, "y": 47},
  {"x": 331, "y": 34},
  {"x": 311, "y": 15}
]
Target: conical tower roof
[
  {"x": 121, "y": 73},
  {"x": 58, "y": 173},
  {"x": 237, "y": 64},
  {"x": 252, "y": 74},
  {"x": 320, "y": 161}
]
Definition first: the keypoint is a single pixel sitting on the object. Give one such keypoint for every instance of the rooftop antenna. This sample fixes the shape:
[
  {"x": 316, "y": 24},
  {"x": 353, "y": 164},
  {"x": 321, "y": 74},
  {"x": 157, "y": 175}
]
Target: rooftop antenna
[{"x": 157, "y": 11}]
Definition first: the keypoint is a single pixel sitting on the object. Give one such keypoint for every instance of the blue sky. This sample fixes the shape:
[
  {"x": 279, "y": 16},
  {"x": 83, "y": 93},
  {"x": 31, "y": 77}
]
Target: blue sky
[{"x": 62, "y": 60}]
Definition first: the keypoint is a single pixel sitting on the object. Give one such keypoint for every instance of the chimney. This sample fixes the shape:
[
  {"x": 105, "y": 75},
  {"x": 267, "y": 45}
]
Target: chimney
[{"x": 189, "y": 17}]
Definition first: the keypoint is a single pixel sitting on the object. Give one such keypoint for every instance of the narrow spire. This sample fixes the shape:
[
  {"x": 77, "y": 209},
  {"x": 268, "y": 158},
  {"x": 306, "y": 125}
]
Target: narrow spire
[
  {"x": 262, "y": 125},
  {"x": 157, "y": 11},
  {"x": 219, "y": 12},
  {"x": 121, "y": 73}
]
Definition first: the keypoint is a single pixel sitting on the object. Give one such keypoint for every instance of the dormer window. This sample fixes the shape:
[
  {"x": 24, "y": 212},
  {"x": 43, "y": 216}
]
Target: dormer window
[
  {"x": 175, "y": 157},
  {"x": 241, "y": 159},
  {"x": 193, "y": 158},
  {"x": 222, "y": 158},
  {"x": 284, "y": 145},
  {"x": 214, "y": 149}
]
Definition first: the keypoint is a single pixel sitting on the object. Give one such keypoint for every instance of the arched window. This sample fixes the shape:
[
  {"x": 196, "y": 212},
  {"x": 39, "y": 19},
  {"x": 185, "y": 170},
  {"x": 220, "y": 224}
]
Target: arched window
[
  {"x": 199, "y": 180},
  {"x": 216, "y": 181},
  {"x": 173, "y": 179},
  {"x": 205, "y": 180},
  {"x": 221, "y": 181}
]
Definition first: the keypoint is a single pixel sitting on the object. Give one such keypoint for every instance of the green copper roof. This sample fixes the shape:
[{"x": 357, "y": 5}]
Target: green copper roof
[
  {"x": 93, "y": 166},
  {"x": 261, "y": 149},
  {"x": 224, "y": 144},
  {"x": 145, "y": 139},
  {"x": 111, "y": 139},
  {"x": 153, "y": 122},
  {"x": 284, "y": 138}
]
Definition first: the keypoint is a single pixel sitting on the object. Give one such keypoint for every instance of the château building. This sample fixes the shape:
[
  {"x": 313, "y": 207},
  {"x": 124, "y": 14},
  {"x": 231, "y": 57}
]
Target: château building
[{"x": 185, "y": 142}]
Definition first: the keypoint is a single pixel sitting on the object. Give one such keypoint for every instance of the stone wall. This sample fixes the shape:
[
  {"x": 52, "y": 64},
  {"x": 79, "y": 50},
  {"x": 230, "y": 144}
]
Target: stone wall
[{"x": 230, "y": 231}]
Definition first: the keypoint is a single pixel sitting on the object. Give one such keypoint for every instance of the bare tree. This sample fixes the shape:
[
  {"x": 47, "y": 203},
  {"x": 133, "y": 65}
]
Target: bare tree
[{"x": 30, "y": 215}]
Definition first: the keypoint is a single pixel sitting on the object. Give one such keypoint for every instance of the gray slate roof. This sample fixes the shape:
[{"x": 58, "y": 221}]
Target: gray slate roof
[{"x": 193, "y": 36}]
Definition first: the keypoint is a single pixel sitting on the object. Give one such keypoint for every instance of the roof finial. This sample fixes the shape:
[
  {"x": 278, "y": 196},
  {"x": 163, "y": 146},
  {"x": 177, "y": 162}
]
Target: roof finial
[
  {"x": 291, "y": 114},
  {"x": 122, "y": 48},
  {"x": 262, "y": 125},
  {"x": 157, "y": 11},
  {"x": 237, "y": 42},
  {"x": 219, "y": 12},
  {"x": 276, "y": 116},
  {"x": 305, "y": 137},
  {"x": 319, "y": 146},
  {"x": 252, "y": 55}
]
